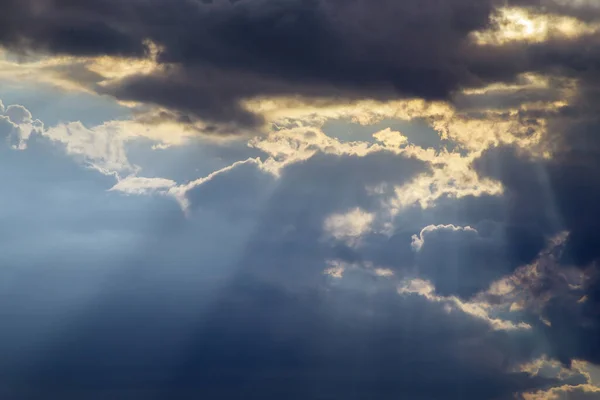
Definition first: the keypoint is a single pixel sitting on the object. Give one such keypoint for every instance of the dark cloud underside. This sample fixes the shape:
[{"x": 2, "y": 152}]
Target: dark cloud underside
[{"x": 221, "y": 51}]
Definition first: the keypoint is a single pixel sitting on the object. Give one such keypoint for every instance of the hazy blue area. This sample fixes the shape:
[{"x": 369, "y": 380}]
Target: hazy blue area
[{"x": 53, "y": 105}]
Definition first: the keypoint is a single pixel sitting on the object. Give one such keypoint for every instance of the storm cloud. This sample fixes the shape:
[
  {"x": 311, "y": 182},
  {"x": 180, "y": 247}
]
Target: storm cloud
[{"x": 215, "y": 54}]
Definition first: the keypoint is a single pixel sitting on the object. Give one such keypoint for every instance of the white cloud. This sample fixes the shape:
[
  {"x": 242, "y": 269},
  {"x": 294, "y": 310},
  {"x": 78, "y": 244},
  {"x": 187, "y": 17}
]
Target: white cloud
[
  {"x": 416, "y": 286},
  {"x": 103, "y": 147},
  {"x": 140, "y": 186},
  {"x": 336, "y": 269},
  {"x": 180, "y": 192},
  {"x": 18, "y": 125},
  {"x": 391, "y": 138},
  {"x": 419, "y": 240},
  {"x": 478, "y": 309},
  {"x": 581, "y": 392},
  {"x": 384, "y": 272},
  {"x": 513, "y": 24},
  {"x": 349, "y": 226},
  {"x": 287, "y": 146}
]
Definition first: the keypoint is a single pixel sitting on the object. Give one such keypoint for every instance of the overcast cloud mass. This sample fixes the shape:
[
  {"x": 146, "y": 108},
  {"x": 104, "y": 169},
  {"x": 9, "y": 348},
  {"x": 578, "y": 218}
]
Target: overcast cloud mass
[{"x": 300, "y": 199}]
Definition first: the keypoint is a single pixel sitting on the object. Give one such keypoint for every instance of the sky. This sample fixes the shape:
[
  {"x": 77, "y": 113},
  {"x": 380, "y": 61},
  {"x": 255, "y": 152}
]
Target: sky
[{"x": 300, "y": 199}]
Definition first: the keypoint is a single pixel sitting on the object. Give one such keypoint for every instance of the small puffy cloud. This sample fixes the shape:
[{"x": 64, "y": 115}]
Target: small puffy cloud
[
  {"x": 335, "y": 269},
  {"x": 348, "y": 227},
  {"x": 384, "y": 272},
  {"x": 18, "y": 125},
  {"x": 417, "y": 286},
  {"x": 391, "y": 138}
]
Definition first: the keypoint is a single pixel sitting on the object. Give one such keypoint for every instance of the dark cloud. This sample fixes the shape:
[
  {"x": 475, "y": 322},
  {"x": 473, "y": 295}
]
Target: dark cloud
[
  {"x": 208, "y": 94},
  {"x": 460, "y": 244},
  {"x": 227, "y": 51},
  {"x": 94, "y": 27},
  {"x": 261, "y": 342},
  {"x": 554, "y": 195},
  {"x": 307, "y": 193},
  {"x": 464, "y": 261},
  {"x": 575, "y": 323},
  {"x": 242, "y": 191},
  {"x": 222, "y": 51},
  {"x": 503, "y": 99},
  {"x": 217, "y": 53}
]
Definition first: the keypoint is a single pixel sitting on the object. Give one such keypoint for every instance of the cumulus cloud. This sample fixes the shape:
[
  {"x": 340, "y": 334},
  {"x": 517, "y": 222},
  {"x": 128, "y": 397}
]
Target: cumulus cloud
[
  {"x": 461, "y": 260},
  {"x": 348, "y": 226},
  {"x": 390, "y": 138},
  {"x": 18, "y": 114},
  {"x": 17, "y": 125}
]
